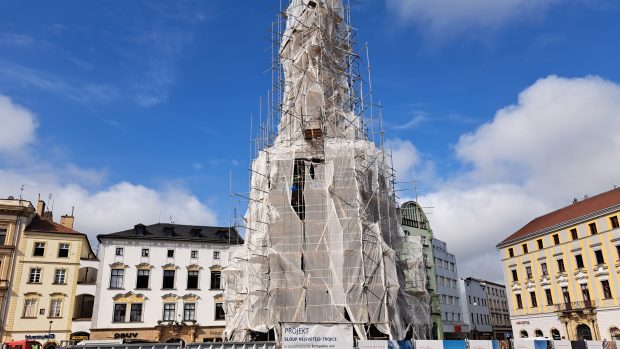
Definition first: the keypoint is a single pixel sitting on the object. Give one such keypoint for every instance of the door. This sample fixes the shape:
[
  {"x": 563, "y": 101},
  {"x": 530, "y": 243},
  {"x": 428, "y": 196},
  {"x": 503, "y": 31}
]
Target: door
[{"x": 584, "y": 333}]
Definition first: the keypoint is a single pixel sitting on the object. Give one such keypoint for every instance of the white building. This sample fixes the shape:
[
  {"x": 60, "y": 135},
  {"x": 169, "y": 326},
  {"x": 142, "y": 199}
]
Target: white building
[
  {"x": 475, "y": 308},
  {"x": 162, "y": 283},
  {"x": 449, "y": 295}
]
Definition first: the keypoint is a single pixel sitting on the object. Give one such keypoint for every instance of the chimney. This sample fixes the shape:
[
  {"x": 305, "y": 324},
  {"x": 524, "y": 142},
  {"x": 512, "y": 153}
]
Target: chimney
[
  {"x": 67, "y": 221},
  {"x": 40, "y": 207}
]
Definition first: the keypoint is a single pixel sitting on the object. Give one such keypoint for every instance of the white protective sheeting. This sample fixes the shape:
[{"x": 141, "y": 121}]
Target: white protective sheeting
[{"x": 323, "y": 241}]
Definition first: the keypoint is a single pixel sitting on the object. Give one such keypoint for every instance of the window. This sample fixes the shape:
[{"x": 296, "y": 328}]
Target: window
[
  {"x": 618, "y": 250},
  {"x": 606, "y": 289},
  {"x": 145, "y": 252},
  {"x": 585, "y": 292},
  {"x": 592, "y": 227},
  {"x": 533, "y": 298},
  {"x": 30, "y": 308},
  {"x": 168, "y": 279},
  {"x": 561, "y": 266},
  {"x": 119, "y": 251},
  {"x": 215, "y": 280},
  {"x": 540, "y": 244},
  {"x": 556, "y": 239},
  {"x": 116, "y": 278},
  {"x": 614, "y": 222},
  {"x": 579, "y": 260},
  {"x": 169, "y": 311},
  {"x": 194, "y": 254},
  {"x": 63, "y": 250},
  {"x": 55, "y": 308},
  {"x": 524, "y": 246},
  {"x": 35, "y": 276},
  {"x": 549, "y": 297},
  {"x": 565, "y": 295},
  {"x": 511, "y": 252},
  {"x": 2, "y": 236},
  {"x": 528, "y": 271},
  {"x": 543, "y": 266},
  {"x": 515, "y": 277},
  {"x": 524, "y": 334},
  {"x": 519, "y": 302},
  {"x": 120, "y": 309},
  {"x": 189, "y": 311},
  {"x": 170, "y": 253},
  {"x": 142, "y": 280},
  {"x": 573, "y": 234},
  {"x": 135, "y": 314},
  {"x": 216, "y": 254},
  {"x": 192, "y": 280},
  {"x": 60, "y": 277},
  {"x": 39, "y": 249},
  {"x": 219, "y": 311},
  {"x": 599, "y": 257}
]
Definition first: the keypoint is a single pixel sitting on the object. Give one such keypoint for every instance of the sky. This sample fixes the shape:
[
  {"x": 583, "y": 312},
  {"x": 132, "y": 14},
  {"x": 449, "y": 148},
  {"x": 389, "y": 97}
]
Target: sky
[{"x": 140, "y": 111}]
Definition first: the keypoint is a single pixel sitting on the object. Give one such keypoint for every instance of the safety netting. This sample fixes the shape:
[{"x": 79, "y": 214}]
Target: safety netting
[{"x": 323, "y": 240}]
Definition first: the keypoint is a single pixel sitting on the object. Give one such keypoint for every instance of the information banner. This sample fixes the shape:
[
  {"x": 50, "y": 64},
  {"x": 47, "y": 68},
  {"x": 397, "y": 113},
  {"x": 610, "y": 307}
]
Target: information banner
[{"x": 304, "y": 336}]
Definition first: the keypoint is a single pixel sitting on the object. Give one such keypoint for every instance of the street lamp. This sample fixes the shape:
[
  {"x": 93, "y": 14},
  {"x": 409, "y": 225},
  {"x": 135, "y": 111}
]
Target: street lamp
[{"x": 49, "y": 330}]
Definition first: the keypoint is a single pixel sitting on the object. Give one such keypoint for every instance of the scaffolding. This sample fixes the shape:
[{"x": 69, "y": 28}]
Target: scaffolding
[{"x": 323, "y": 241}]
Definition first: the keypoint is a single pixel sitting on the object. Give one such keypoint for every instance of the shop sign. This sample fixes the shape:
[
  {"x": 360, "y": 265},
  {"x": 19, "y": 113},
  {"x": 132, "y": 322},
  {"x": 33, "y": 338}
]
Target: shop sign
[
  {"x": 303, "y": 336},
  {"x": 79, "y": 336},
  {"x": 126, "y": 335},
  {"x": 40, "y": 336},
  {"x": 522, "y": 322},
  {"x": 214, "y": 332}
]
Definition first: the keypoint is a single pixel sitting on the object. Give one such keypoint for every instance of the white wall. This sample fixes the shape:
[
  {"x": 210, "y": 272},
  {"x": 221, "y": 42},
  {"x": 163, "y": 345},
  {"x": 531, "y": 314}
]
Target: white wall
[{"x": 153, "y": 306}]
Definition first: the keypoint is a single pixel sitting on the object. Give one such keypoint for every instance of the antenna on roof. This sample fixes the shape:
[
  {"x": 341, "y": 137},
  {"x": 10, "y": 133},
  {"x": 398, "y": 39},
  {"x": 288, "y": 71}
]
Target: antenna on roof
[
  {"x": 171, "y": 221},
  {"x": 72, "y": 210},
  {"x": 21, "y": 192}
]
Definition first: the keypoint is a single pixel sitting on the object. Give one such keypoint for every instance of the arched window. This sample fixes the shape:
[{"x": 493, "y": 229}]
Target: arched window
[
  {"x": 615, "y": 332},
  {"x": 524, "y": 334},
  {"x": 555, "y": 334},
  {"x": 538, "y": 333}
]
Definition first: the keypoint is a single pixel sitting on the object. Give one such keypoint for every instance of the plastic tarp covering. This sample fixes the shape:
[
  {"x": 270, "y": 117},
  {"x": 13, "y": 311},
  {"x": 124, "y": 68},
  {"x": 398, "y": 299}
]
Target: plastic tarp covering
[{"x": 323, "y": 241}]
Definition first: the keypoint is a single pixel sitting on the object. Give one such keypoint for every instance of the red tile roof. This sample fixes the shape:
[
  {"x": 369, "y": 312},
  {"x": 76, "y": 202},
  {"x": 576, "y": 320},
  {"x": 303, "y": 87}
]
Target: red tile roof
[
  {"x": 576, "y": 210},
  {"x": 44, "y": 225}
]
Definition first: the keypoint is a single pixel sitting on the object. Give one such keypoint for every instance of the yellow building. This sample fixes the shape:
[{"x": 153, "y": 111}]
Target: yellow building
[
  {"x": 14, "y": 217},
  {"x": 561, "y": 272},
  {"x": 44, "y": 284}
]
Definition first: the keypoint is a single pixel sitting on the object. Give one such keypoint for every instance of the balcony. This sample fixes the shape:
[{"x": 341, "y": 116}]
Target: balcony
[{"x": 575, "y": 306}]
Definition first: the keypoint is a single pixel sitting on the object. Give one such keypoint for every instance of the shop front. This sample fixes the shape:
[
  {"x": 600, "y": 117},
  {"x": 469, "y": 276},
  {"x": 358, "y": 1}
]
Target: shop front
[{"x": 163, "y": 333}]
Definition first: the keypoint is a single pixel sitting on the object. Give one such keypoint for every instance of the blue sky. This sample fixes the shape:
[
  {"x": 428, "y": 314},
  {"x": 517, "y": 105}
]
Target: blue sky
[{"x": 136, "y": 111}]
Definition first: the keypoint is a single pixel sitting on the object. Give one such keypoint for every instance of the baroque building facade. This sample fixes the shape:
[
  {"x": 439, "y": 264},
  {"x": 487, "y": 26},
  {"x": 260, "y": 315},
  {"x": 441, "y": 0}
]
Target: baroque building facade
[
  {"x": 562, "y": 271},
  {"x": 162, "y": 283},
  {"x": 43, "y": 287}
]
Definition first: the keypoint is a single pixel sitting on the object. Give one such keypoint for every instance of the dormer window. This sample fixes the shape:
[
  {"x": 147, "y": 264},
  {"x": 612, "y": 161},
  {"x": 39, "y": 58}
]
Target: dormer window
[
  {"x": 169, "y": 232},
  {"x": 196, "y": 232},
  {"x": 140, "y": 229}
]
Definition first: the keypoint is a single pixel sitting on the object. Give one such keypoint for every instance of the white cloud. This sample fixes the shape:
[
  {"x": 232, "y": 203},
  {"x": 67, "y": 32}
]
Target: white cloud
[
  {"x": 99, "y": 209},
  {"x": 17, "y": 125},
  {"x": 445, "y": 18},
  {"x": 405, "y": 158},
  {"x": 556, "y": 143}
]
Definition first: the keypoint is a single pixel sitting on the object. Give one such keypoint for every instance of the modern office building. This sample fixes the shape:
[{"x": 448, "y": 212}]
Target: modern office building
[
  {"x": 415, "y": 223},
  {"x": 475, "y": 308},
  {"x": 453, "y": 324},
  {"x": 162, "y": 283},
  {"x": 562, "y": 271},
  {"x": 43, "y": 288}
]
